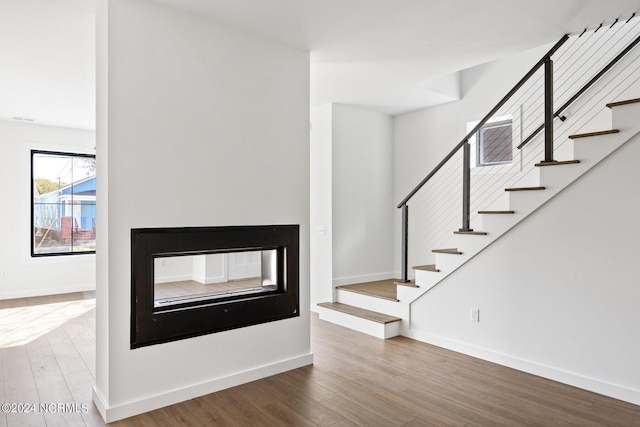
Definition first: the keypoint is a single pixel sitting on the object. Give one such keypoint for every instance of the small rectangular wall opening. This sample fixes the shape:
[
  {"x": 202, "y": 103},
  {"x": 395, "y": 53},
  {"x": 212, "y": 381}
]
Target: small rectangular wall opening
[{"x": 194, "y": 281}]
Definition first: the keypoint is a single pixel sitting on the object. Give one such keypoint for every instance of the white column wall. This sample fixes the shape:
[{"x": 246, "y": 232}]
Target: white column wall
[
  {"x": 321, "y": 206},
  {"x": 199, "y": 124}
]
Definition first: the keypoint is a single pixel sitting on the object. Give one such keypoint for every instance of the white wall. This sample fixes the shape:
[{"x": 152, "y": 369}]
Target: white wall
[
  {"x": 20, "y": 274},
  {"x": 351, "y": 198},
  {"x": 362, "y": 195},
  {"x": 199, "y": 124},
  {"x": 558, "y": 295}
]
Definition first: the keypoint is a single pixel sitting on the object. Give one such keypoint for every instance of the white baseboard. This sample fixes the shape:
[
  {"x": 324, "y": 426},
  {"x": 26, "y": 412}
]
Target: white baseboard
[
  {"x": 129, "y": 409},
  {"x": 100, "y": 403},
  {"x": 340, "y": 281},
  {"x": 591, "y": 384},
  {"x": 20, "y": 293}
]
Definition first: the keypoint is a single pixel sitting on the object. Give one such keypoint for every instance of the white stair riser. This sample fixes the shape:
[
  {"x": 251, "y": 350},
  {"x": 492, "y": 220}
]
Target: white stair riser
[
  {"x": 448, "y": 262},
  {"x": 500, "y": 203},
  {"x": 623, "y": 115},
  {"x": 526, "y": 202},
  {"x": 555, "y": 178},
  {"x": 595, "y": 148},
  {"x": 470, "y": 242},
  {"x": 379, "y": 330},
  {"x": 499, "y": 223},
  {"x": 426, "y": 280},
  {"x": 392, "y": 308},
  {"x": 564, "y": 151}
]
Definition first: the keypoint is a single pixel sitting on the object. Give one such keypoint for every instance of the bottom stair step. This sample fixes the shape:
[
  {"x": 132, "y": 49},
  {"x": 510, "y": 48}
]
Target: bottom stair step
[{"x": 369, "y": 322}]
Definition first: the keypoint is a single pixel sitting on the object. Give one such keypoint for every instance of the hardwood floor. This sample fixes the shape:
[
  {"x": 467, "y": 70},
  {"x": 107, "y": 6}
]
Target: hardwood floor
[
  {"x": 356, "y": 380},
  {"x": 52, "y": 361}
]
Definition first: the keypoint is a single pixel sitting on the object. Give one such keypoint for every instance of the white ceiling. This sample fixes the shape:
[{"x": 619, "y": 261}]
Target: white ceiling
[
  {"x": 380, "y": 54},
  {"x": 47, "y": 70}
]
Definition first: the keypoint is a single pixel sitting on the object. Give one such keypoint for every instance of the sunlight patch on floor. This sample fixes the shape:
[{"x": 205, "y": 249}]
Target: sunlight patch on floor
[{"x": 21, "y": 325}]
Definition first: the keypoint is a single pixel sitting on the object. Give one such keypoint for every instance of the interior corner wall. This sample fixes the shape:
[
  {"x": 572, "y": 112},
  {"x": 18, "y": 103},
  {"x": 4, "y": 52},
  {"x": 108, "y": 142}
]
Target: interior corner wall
[
  {"x": 201, "y": 124},
  {"x": 20, "y": 274},
  {"x": 361, "y": 195},
  {"x": 557, "y": 295},
  {"x": 321, "y": 237}
]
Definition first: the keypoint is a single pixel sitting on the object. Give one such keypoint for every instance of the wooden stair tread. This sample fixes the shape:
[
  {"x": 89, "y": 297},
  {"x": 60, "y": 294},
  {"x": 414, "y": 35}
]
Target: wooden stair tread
[
  {"x": 384, "y": 289},
  {"x": 625, "y": 102},
  {"x": 525, "y": 188},
  {"x": 586, "y": 135},
  {"x": 558, "y": 163},
  {"x": 496, "y": 212},
  {"x": 374, "y": 316},
  {"x": 452, "y": 251},
  {"x": 472, "y": 233},
  {"x": 429, "y": 267}
]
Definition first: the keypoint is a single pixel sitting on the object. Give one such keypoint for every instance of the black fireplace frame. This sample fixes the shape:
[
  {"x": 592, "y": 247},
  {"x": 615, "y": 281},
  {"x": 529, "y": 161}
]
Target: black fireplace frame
[{"x": 153, "y": 325}]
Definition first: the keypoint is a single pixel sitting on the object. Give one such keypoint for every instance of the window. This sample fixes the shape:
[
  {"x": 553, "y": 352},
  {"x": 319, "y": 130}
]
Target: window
[
  {"x": 63, "y": 209},
  {"x": 494, "y": 144}
]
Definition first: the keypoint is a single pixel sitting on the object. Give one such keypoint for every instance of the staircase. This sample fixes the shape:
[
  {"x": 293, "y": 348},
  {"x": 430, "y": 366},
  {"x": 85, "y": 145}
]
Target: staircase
[{"x": 382, "y": 308}]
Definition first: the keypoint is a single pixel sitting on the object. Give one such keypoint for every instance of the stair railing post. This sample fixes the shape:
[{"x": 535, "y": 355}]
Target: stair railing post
[
  {"x": 404, "y": 254},
  {"x": 548, "y": 110},
  {"x": 466, "y": 186}
]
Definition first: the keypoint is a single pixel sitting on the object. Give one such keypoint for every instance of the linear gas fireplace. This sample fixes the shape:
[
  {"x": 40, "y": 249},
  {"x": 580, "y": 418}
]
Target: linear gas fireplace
[{"x": 200, "y": 280}]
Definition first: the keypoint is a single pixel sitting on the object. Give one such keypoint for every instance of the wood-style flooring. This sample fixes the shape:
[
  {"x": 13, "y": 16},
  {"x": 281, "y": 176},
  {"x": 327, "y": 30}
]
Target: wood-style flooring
[{"x": 356, "y": 380}]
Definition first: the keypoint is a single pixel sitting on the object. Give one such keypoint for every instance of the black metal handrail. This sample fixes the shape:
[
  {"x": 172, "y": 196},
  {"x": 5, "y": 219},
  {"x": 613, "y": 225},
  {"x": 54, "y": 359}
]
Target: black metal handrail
[
  {"x": 582, "y": 90},
  {"x": 549, "y": 116},
  {"x": 486, "y": 118}
]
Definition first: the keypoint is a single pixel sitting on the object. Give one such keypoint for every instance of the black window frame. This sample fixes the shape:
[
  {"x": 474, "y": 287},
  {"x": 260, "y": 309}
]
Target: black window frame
[
  {"x": 480, "y": 143},
  {"x": 32, "y": 245}
]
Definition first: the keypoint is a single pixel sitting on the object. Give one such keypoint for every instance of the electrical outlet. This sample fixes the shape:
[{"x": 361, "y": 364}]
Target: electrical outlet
[{"x": 475, "y": 314}]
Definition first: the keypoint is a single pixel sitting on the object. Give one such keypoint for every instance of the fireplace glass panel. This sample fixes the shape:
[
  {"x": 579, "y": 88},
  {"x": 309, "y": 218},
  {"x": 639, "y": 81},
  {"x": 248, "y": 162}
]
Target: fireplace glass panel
[{"x": 183, "y": 279}]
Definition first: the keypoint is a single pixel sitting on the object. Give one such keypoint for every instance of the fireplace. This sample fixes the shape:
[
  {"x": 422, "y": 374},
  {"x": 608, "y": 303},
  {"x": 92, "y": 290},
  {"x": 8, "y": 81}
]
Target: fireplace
[{"x": 200, "y": 280}]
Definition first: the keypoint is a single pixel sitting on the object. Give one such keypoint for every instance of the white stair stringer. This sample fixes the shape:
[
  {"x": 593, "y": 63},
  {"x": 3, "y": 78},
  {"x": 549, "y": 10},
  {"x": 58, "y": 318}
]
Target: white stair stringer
[{"x": 590, "y": 151}]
